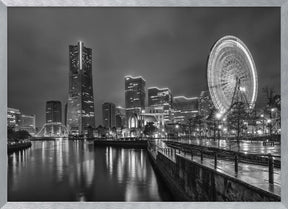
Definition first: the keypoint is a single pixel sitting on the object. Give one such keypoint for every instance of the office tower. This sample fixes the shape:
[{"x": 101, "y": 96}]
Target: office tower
[
  {"x": 108, "y": 111},
  {"x": 159, "y": 97},
  {"x": 53, "y": 112},
  {"x": 80, "y": 113},
  {"x": 134, "y": 92},
  {"x": 160, "y": 100},
  {"x": 134, "y": 97},
  {"x": 184, "y": 108}
]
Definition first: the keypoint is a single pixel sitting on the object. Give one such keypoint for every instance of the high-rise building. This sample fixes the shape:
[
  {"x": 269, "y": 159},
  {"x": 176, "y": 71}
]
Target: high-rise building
[
  {"x": 80, "y": 113},
  {"x": 184, "y": 108},
  {"x": 134, "y": 92},
  {"x": 53, "y": 112},
  {"x": 159, "y": 97},
  {"x": 109, "y": 118},
  {"x": 134, "y": 97}
]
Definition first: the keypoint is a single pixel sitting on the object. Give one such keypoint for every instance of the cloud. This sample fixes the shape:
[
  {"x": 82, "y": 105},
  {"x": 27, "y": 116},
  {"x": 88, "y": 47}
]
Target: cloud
[{"x": 167, "y": 46}]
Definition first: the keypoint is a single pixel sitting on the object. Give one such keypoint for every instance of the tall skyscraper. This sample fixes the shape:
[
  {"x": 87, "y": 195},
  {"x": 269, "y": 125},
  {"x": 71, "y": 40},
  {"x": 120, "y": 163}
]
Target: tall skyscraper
[
  {"x": 109, "y": 118},
  {"x": 134, "y": 96},
  {"x": 53, "y": 112},
  {"x": 80, "y": 113},
  {"x": 134, "y": 92}
]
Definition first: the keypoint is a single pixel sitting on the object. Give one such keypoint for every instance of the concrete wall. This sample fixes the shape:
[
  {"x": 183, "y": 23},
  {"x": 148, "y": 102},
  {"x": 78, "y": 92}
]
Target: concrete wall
[{"x": 191, "y": 181}]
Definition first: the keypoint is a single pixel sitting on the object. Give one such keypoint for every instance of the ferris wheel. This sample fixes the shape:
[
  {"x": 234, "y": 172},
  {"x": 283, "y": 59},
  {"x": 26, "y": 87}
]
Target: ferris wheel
[{"x": 231, "y": 74}]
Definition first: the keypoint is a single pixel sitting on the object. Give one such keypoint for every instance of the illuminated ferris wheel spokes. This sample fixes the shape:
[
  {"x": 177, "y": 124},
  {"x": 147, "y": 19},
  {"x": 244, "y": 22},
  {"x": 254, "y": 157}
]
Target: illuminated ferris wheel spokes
[{"x": 231, "y": 74}]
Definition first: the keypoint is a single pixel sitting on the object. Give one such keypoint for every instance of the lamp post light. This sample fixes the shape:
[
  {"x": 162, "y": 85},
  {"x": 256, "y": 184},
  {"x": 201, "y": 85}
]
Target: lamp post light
[
  {"x": 263, "y": 124},
  {"x": 218, "y": 116},
  {"x": 177, "y": 129},
  {"x": 269, "y": 126}
]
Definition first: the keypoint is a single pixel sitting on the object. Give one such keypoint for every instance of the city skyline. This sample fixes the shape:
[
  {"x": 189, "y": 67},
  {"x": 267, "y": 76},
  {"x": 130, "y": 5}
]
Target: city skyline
[{"x": 170, "y": 47}]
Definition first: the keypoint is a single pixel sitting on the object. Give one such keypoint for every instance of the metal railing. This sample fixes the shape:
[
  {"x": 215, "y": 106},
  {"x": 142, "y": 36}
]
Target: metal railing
[{"x": 174, "y": 148}]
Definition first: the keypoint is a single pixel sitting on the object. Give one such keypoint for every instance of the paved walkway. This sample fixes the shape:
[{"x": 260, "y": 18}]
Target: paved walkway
[
  {"x": 256, "y": 175},
  {"x": 244, "y": 146}
]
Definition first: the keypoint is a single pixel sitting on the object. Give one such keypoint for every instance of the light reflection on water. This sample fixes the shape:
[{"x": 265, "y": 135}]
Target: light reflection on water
[{"x": 65, "y": 170}]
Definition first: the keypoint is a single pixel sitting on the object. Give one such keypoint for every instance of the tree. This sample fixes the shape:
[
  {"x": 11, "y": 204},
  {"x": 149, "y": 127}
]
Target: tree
[
  {"x": 22, "y": 134},
  {"x": 269, "y": 93},
  {"x": 10, "y": 133},
  {"x": 236, "y": 118},
  {"x": 149, "y": 129},
  {"x": 194, "y": 123},
  {"x": 211, "y": 121},
  {"x": 273, "y": 104}
]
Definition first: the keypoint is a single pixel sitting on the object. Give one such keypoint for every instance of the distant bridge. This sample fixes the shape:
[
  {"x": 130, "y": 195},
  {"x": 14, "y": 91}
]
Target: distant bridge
[{"x": 53, "y": 130}]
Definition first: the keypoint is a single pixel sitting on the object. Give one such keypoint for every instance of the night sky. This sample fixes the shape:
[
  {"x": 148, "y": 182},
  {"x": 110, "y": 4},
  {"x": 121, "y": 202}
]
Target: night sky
[{"x": 167, "y": 46}]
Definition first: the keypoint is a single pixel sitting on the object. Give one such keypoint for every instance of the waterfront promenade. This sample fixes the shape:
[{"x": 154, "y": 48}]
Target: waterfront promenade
[{"x": 248, "y": 167}]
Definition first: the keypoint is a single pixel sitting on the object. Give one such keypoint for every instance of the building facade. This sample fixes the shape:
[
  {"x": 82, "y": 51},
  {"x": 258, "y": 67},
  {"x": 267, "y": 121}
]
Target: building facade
[
  {"x": 184, "y": 108},
  {"x": 109, "y": 117},
  {"x": 13, "y": 118},
  {"x": 159, "y": 97},
  {"x": 27, "y": 123},
  {"x": 134, "y": 92},
  {"x": 80, "y": 110},
  {"x": 19, "y": 121},
  {"x": 53, "y": 112},
  {"x": 134, "y": 97}
]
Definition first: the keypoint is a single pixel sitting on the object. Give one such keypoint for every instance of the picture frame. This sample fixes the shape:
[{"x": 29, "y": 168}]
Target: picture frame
[{"x": 4, "y": 6}]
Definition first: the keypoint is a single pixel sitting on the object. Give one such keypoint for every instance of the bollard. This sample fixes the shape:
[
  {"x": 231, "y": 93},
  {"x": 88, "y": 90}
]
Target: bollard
[
  {"x": 271, "y": 168},
  {"x": 215, "y": 160},
  {"x": 201, "y": 155},
  {"x": 236, "y": 163}
]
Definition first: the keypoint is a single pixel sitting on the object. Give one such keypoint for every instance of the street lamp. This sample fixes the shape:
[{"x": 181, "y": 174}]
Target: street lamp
[
  {"x": 269, "y": 125},
  {"x": 218, "y": 115}
]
